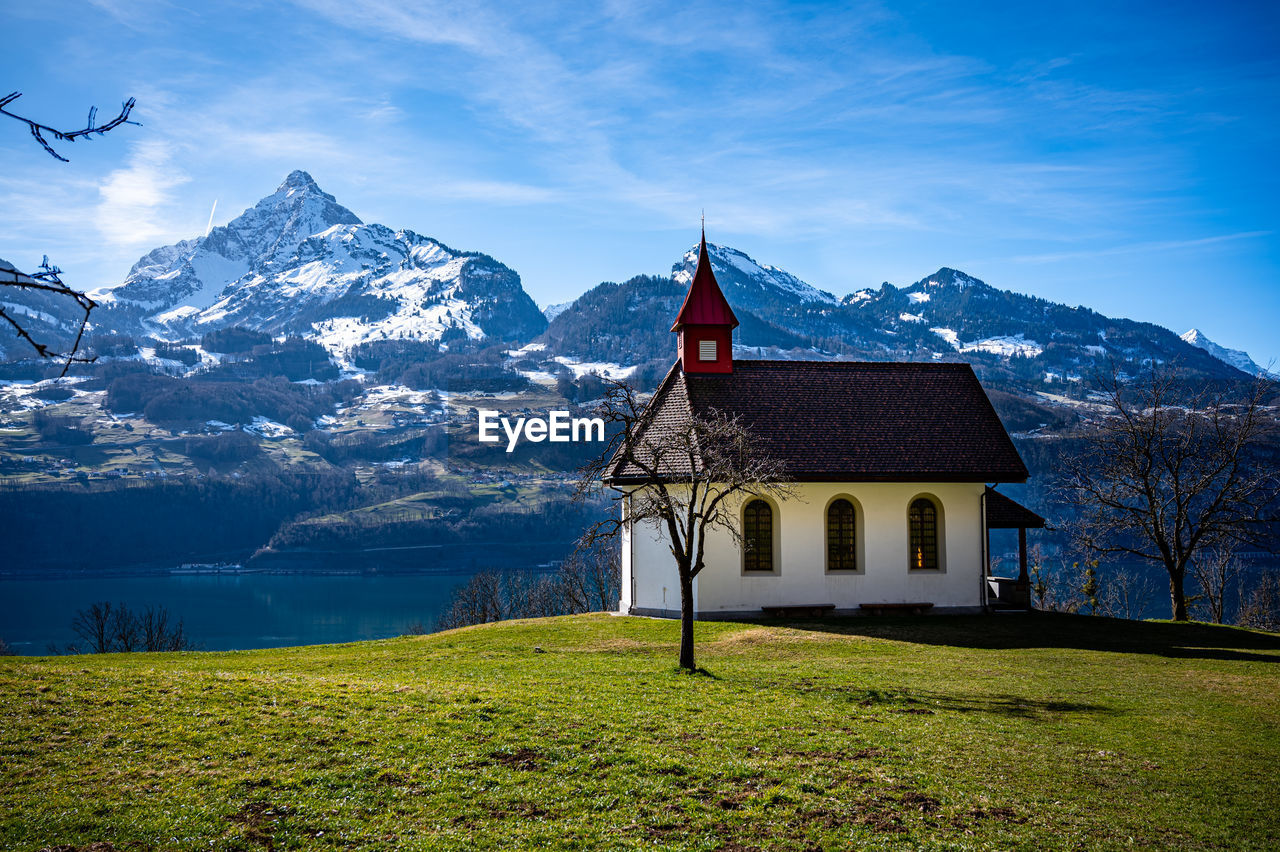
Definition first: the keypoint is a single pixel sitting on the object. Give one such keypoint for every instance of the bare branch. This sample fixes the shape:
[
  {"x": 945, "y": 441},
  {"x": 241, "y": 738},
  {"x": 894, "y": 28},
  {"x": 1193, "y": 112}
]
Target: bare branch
[
  {"x": 38, "y": 130},
  {"x": 48, "y": 279}
]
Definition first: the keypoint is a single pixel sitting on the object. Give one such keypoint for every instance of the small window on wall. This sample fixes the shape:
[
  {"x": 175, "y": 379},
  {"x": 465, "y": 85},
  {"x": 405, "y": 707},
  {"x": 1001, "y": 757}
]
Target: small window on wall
[
  {"x": 757, "y": 536},
  {"x": 706, "y": 350},
  {"x": 922, "y": 519},
  {"x": 841, "y": 537}
]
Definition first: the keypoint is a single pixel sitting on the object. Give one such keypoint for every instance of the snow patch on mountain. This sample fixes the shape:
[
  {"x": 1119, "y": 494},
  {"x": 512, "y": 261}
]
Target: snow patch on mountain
[
  {"x": 1006, "y": 346},
  {"x": 604, "y": 369},
  {"x": 948, "y": 335},
  {"x": 29, "y": 312},
  {"x": 526, "y": 351}
]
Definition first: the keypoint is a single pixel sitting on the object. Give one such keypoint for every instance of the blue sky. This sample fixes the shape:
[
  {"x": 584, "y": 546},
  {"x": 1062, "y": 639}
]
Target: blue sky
[{"x": 1116, "y": 155}]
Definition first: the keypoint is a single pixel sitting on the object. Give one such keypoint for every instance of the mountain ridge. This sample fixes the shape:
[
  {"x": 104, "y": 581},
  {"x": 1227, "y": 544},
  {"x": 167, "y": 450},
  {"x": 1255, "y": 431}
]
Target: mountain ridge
[
  {"x": 300, "y": 263},
  {"x": 1017, "y": 341}
]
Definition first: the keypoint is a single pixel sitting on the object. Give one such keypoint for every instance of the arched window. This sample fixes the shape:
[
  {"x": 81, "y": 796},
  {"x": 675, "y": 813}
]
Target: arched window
[
  {"x": 757, "y": 536},
  {"x": 922, "y": 519},
  {"x": 842, "y": 551}
]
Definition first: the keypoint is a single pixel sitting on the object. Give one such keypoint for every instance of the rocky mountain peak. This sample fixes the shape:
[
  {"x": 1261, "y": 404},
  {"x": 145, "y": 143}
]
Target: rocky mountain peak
[
  {"x": 745, "y": 282},
  {"x": 298, "y": 262},
  {"x": 948, "y": 277},
  {"x": 298, "y": 179},
  {"x": 300, "y": 192},
  {"x": 1235, "y": 357}
]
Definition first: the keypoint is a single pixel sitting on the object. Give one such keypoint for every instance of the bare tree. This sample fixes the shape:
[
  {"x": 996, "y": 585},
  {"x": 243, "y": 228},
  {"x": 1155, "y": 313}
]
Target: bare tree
[
  {"x": 1124, "y": 594},
  {"x": 1046, "y": 584},
  {"x": 1164, "y": 477},
  {"x": 1260, "y": 608},
  {"x": 1062, "y": 587},
  {"x": 93, "y": 625},
  {"x": 685, "y": 478},
  {"x": 110, "y": 628},
  {"x": 47, "y": 278},
  {"x": 1216, "y": 570},
  {"x": 590, "y": 580},
  {"x": 158, "y": 634},
  {"x": 126, "y": 635},
  {"x": 480, "y": 600}
]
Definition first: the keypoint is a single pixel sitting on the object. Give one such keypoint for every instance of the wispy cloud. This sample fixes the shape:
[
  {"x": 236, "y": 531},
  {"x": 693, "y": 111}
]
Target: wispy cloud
[
  {"x": 1138, "y": 248},
  {"x": 496, "y": 192},
  {"x": 861, "y": 137},
  {"x": 135, "y": 198}
]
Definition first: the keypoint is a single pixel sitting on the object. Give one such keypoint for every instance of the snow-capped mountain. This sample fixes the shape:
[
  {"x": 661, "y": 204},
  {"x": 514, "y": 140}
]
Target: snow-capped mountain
[
  {"x": 1017, "y": 342},
  {"x": 194, "y": 273},
  {"x": 553, "y": 311},
  {"x": 298, "y": 262},
  {"x": 748, "y": 284},
  {"x": 1235, "y": 357}
]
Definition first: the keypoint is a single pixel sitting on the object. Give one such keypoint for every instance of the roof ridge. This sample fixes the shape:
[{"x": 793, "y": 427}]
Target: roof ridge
[{"x": 880, "y": 364}]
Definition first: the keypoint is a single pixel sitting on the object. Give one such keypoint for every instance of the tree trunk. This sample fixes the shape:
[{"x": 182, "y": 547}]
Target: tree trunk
[
  {"x": 1177, "y": 596},
  {"x": 686, "y": 621}
]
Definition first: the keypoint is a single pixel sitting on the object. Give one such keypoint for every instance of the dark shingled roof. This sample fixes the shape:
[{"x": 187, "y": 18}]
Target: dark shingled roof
[
  {"x": 841, "y": 421},
  {"x": 1004, "y": 513}
]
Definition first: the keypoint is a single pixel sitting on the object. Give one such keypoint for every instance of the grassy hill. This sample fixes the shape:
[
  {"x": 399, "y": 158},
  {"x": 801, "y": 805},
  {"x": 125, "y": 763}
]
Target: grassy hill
[{"x": 1041, "y": 731}]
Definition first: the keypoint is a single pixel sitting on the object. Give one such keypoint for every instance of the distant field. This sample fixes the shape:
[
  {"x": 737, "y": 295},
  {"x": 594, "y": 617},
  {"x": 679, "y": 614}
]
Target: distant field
[{"x": 1036, "y": 732}]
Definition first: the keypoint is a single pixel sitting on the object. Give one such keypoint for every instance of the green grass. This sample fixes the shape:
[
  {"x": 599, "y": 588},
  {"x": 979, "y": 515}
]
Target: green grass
[{"x": 1037, "y": 732}]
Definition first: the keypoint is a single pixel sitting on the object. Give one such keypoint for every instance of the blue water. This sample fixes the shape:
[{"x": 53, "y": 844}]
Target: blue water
[{"x": 233, "y": 611}]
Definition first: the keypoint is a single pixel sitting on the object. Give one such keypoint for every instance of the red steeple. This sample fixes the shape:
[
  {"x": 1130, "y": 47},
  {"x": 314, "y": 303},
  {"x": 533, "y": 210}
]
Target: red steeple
[
  {"x": 704, "y": 304},
  {"x": 705, "y": 323}
]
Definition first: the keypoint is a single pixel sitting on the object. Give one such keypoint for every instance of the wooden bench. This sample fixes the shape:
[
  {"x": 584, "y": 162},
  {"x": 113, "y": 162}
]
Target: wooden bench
[
  {"x": 896, "y": 608},
  {"x": 799, "y": 611}
]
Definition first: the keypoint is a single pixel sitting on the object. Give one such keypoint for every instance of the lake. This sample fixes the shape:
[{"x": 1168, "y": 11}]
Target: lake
[
  {"x": 290, "y": 598},
  {"x": 233, "y": 611},
  {"x": 279, "y": 608}
]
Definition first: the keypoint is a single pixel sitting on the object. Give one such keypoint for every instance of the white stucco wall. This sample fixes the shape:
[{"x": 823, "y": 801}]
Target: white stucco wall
[{"x": 650, "y": 582}]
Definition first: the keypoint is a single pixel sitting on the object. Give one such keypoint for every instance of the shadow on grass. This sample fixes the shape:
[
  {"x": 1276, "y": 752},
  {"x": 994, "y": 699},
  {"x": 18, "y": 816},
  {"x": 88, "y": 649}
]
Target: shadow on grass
[
  {"x": 926, "y": 702},
  {"x": 1187, "y": 640}
]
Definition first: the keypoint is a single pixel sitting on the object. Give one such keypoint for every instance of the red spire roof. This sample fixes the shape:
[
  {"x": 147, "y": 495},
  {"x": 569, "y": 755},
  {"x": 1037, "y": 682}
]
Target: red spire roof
[{"x": 705, "y": 304}]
